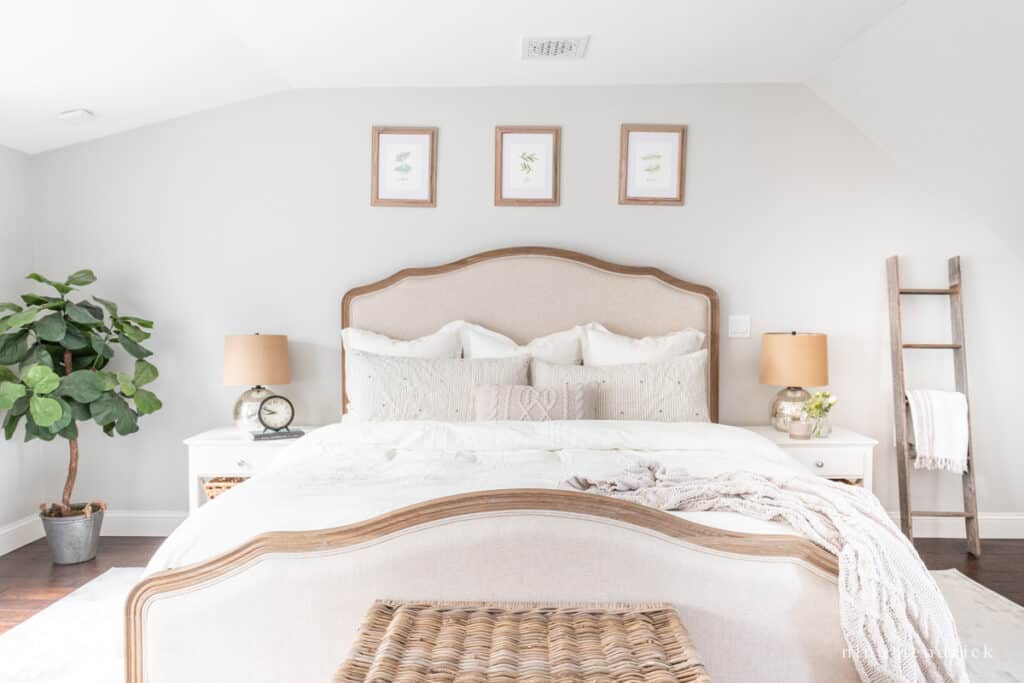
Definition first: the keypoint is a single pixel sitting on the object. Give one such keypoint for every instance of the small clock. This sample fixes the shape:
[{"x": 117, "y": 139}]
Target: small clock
[{"x": 276, "y": 413}]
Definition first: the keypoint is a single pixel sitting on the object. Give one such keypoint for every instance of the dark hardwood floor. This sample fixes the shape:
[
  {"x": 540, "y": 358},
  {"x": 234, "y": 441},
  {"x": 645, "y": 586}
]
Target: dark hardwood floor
[{"x": 29, "y": 581}]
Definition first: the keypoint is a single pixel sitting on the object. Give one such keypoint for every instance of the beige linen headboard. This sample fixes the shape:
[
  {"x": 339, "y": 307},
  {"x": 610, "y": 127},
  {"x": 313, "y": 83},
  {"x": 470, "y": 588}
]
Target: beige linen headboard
[{"x": 527, "y": 292}]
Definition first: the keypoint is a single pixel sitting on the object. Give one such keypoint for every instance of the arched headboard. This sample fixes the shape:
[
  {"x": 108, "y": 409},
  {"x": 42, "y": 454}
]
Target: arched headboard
[{"x": 527, "y": 292}]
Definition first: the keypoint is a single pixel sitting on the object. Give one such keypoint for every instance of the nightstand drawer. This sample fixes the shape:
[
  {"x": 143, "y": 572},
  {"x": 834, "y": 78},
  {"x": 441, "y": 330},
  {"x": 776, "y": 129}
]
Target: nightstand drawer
[
  {"x": 831, "y": 461},
  {"x": 231, "y": 461}
]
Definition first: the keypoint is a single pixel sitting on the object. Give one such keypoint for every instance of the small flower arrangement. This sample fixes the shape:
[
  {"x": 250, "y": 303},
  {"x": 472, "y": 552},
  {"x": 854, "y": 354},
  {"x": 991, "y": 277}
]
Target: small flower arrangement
[{"x": 817, "y": 409}]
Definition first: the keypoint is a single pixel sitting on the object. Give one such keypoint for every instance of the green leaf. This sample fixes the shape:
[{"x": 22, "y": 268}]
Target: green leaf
[
  {"x": 65, "y": 417},
  {"x": 45, "y": 411},
  {"x": 145, "y": 373},
  {"x": 10, "y": 307},
  {"x": 70, "y": 432},
  {"x": 141, "y": 322},
  {"x": 96, "y": 311},
  {"x": 108, "y": 429},
  {"x": 34, "y": 431},
  {"x": 78, "y": 313},
  {"x": 10, "y": 424},
  {"x": 127, "y": 423},
  {"x": 133, "y": 348},
  {"x": 109, "y": 305},
  {"x": 7, "y": 375},
  {"x": 36, "y": 300},
  {"x": 74, "y": 339},
  {"x": 84, "y": 386},
  {"x": 9, "y": 393},
  {"x": 146, "y": 402},
  {"x": 51, "y": 327},
  {"x": 22, "y": 318},
  {"x": 81, "y": 278},
  {"x": 59, "y": 286},
  {"x": 127, "y": 387},
  {"x": 13, "y": 347},
  {"x": 108, "y": 408},
  {"x": 102, "y": 348},
  {"x": 85, "y": 362},
  {"x": 79, "y": 411},
  {"x": 134, "y": 333},
  {"x": 20, "y": 406},
  {"x": 37, "y": 355},
  {"x": 41, "y": 379}
]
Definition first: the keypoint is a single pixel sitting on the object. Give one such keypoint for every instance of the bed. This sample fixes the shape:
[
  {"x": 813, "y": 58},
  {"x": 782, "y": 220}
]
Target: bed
[{"x": 271, "y": 580}]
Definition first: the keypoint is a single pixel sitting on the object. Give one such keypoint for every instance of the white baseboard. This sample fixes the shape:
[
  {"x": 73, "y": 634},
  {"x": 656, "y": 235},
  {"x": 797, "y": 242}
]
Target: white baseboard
[
  {"x": 115, "y": 523},
  {"x": 990, "y": 525},
  {"x": 20, "y": 532}
]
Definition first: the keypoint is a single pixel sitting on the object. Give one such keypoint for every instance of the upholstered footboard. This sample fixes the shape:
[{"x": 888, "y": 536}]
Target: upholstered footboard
[{"x": 287, "y": 606}]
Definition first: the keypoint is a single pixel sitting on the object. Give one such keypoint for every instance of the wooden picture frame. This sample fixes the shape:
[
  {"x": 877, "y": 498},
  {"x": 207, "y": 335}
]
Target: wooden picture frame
[
  {"x": 408, "y": 144},
  {"x": 543, "y": 144},
  {"x": 664, "y": 179}
]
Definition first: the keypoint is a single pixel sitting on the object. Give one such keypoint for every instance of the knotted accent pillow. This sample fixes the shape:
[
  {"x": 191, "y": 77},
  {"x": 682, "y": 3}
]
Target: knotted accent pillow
[{"x": 521, "y": 403}]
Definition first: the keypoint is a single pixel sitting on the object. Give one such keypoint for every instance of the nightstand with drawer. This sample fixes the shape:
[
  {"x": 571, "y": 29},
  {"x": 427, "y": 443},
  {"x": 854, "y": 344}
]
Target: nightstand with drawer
[
  {"x": 227, "y": 452},
  {"x": 842, "y": 456}
]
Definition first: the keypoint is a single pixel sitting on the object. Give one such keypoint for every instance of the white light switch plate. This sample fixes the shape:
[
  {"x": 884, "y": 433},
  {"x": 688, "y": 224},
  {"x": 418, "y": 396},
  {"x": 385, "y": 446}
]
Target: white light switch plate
[{"x": 739, "y": 326}]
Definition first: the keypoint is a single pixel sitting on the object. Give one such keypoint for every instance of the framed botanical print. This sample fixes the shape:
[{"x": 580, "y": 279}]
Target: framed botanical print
[
  {"x": 652, "y": 164},
  {"x": 526, "y": 165},
  {"x": 404, "y": 165}
]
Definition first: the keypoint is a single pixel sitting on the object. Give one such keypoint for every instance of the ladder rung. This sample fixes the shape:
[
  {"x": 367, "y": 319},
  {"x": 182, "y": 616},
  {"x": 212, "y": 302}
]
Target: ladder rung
[
  {"x": 933, "y": 346},
  {"x": 937, "y": 513},
  {"x": 946, "y": 291}
]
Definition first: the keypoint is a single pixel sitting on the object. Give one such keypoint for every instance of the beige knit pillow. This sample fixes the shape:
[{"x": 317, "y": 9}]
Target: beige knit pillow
[{"x": 523, "y": 403}]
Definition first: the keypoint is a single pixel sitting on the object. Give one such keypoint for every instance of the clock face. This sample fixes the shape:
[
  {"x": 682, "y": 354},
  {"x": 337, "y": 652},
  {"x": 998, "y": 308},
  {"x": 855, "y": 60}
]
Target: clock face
[{"x": 276, "y": 412}]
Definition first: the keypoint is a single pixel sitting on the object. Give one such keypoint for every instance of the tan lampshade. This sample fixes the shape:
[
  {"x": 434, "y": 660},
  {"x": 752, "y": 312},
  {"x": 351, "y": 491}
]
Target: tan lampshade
[
  {"x": 251, "y": 359},
  {"x": 790, "y": 359}
]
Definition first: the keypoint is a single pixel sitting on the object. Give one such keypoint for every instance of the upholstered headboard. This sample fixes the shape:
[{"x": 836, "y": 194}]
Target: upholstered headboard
[{"x": 526, "y": 292}]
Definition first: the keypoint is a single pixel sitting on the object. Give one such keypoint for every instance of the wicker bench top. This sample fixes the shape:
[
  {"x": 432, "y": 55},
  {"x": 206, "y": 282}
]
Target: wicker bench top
[{"x": 405, "y": 642}]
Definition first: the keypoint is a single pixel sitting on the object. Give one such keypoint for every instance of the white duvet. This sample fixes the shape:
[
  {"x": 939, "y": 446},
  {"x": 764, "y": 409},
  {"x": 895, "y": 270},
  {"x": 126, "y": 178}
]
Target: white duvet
[{"x": 349, "y": 472}]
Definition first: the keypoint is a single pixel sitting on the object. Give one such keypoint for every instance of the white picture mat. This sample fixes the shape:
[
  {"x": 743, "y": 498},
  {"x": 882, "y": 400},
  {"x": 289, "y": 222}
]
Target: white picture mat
[
  {"x": 653, "y": 164},
  {"x": 538, "y": 182},
  {"x": 404, "y": 166}
]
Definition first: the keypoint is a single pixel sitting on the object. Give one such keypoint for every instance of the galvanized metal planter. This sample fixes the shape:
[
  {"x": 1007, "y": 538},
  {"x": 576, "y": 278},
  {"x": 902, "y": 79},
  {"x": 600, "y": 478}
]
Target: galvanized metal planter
[{"x": 73, "y": 539}]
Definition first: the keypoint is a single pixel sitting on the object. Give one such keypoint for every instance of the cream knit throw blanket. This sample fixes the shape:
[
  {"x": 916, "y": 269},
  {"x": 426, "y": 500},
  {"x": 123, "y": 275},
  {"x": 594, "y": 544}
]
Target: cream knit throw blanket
[{"x": 896, "y": 623}]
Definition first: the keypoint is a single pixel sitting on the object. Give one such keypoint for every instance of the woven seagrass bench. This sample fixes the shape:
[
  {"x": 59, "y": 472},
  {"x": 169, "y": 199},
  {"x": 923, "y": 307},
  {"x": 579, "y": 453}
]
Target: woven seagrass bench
[{"x": 406, "y": 642}]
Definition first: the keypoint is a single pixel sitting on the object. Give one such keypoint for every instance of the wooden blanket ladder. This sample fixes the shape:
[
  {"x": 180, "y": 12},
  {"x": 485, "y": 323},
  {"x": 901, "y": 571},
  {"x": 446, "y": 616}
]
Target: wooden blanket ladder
[{"x": 904, "y": 447}]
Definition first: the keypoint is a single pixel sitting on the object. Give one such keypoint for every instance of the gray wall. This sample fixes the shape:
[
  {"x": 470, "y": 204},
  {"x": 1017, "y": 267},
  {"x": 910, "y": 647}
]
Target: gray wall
[
  {"x": 19, "y": 481},
  {"x": 256, "y": 217}
]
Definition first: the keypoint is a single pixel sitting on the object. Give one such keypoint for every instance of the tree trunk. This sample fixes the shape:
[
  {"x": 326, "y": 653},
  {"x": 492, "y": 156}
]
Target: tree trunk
[{"x": 69, "y": 485}]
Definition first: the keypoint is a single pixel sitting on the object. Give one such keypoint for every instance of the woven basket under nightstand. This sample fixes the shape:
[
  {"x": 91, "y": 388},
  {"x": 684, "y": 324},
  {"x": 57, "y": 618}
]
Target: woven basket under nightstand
[
  {"x": 405, "y": 642},
  {"x": 218, "y": 485}
]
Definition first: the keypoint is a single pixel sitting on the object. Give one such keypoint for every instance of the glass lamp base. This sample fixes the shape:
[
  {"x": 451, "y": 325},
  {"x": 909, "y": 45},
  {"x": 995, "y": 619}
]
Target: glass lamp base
[
  {"x": 787, "y": 406},
  {"x": 247, "y": 408}
]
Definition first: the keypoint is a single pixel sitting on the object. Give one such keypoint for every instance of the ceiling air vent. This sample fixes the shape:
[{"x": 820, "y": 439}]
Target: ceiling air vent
[{"x": 555, "y": 48}]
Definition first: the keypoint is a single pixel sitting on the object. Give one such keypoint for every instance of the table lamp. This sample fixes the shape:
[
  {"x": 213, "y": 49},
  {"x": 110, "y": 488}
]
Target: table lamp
[
  {"x": 254, "y": 360},
  {"x": 792, "y": 360}
]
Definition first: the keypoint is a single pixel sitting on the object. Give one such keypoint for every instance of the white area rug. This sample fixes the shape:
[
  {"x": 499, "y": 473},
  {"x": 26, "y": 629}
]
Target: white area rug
[{"x": 80, "y": 639}]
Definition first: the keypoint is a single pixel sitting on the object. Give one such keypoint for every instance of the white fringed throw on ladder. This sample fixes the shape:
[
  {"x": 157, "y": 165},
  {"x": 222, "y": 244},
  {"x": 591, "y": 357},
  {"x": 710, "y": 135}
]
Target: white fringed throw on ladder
[
  {"x": 896, "y": 623},
  {"x": 941, "y": 434}
]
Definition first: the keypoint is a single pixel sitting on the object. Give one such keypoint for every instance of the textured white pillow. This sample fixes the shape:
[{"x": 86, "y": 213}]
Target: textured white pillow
[
  {"x": 395, "y": 388},
  {"x": 562, "y": 348},
  {"x": 601, "y": 347},
  {"x": 445, "y": 343},
  {"x": 524, "y": 403},
  {"x": 671, "y": 391}
]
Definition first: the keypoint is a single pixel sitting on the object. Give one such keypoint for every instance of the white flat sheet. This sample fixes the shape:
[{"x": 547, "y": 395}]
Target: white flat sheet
[{"x": 349, "y": 472}]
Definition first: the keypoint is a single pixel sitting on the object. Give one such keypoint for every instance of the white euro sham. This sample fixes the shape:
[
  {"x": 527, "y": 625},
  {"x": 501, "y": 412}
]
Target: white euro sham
[
  {"x": 445, "y": 343},
  {"x": 601, "y": 347},
  {"x": 562, "y": 348}
]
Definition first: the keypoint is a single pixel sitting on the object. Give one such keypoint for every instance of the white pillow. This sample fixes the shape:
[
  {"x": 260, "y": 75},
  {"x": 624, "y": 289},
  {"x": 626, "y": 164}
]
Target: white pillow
[
  {"x": 395, "y": 388},
  {"x": 671, "y": 391},
  {"x": 445, "y": 343},
  {"x": 561, "y": 348},
  {"x": 601, "y": 347}
]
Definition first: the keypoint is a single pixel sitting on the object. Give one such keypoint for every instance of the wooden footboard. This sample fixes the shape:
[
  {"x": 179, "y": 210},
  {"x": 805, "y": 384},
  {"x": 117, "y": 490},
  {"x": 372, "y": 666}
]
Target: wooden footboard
[{"x": 287, "y": 605}]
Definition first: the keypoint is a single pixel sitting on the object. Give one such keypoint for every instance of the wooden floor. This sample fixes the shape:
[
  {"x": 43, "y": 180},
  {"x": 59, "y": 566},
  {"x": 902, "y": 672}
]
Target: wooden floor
[{"x": 29, "y": 581}]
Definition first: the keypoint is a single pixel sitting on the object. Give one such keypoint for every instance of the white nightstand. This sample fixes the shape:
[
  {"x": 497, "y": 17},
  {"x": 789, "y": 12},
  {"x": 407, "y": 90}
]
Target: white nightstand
[
  {"x": 845, "y": 455},
  {"x": 227, "y": 452}
]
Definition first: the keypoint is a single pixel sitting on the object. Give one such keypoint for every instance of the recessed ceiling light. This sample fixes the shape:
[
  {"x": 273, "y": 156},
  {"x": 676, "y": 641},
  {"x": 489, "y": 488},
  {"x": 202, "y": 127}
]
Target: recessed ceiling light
[{"x": 76, "y": 115}]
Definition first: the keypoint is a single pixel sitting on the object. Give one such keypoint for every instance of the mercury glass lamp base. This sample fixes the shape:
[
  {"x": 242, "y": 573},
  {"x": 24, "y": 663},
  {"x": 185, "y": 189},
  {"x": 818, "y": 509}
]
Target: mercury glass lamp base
[
  {"x": 247, "y": 408},
  {"x": 787, "y": 406}
]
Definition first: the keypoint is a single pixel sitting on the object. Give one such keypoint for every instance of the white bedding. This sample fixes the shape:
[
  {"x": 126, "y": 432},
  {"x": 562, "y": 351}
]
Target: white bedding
[{"x": 349, "y": 472}]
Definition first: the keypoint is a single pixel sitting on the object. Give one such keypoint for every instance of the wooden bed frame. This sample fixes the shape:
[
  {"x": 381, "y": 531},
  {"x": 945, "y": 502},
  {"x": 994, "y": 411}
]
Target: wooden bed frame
[{"x": 287, "y": 605}]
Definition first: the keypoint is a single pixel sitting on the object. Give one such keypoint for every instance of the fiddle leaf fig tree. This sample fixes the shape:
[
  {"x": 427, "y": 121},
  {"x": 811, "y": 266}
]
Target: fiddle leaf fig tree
[{"x": 55, "y": 358}]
